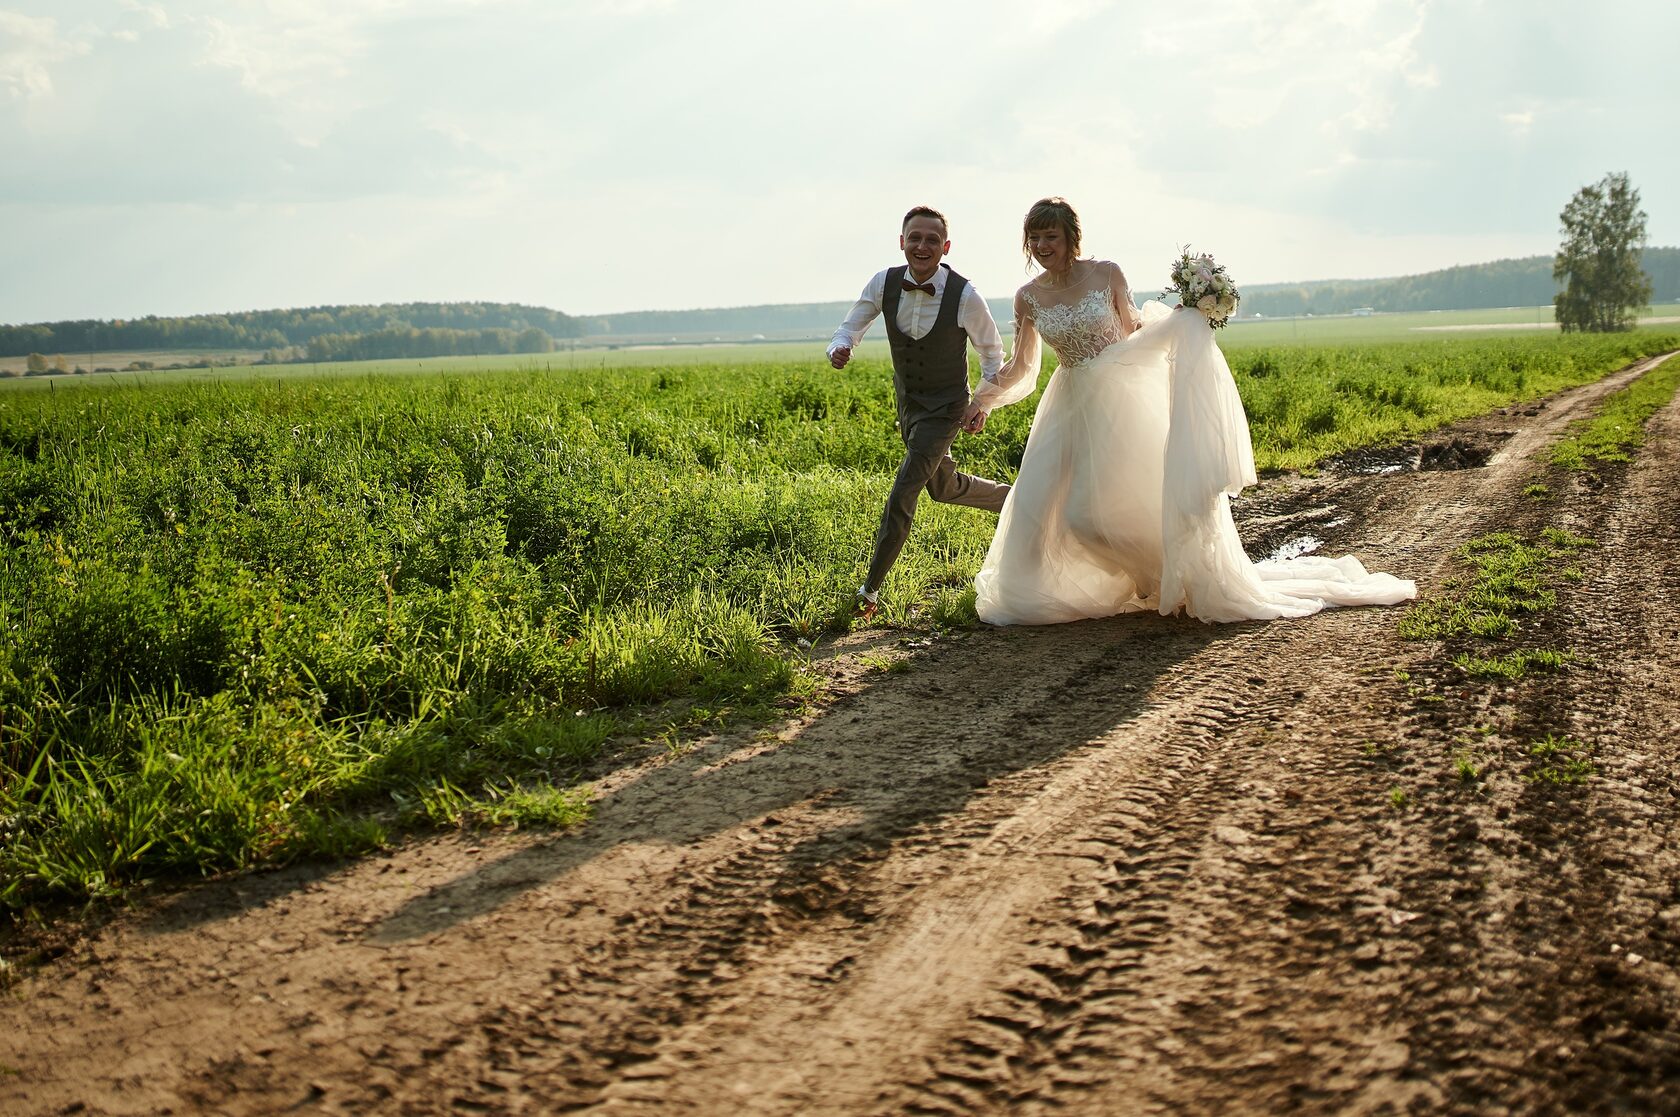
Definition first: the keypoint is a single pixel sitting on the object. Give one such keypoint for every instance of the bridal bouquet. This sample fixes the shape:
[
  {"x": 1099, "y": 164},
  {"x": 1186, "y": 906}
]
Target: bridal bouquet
[{"x": 1199, "y": 282}]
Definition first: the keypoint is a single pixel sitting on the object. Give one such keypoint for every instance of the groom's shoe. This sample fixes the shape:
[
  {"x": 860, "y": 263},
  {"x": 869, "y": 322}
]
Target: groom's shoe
[{"x": 864, "y": 609}]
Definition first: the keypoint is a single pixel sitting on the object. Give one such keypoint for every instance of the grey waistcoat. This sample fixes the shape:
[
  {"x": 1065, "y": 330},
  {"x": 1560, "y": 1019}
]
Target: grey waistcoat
[{"x": 930, "y": 373}]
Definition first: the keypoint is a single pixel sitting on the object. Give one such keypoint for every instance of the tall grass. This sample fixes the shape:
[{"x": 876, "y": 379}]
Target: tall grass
[
  {"x": 1309, "y": 403},
  {"x": 253, "y": 620},
  {"x": 1619, "y": 427}
]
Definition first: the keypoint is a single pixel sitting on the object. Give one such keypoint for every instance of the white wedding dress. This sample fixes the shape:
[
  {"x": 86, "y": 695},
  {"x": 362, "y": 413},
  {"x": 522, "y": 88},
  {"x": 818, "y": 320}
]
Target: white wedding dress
[{"x": 1123, "y": 499}]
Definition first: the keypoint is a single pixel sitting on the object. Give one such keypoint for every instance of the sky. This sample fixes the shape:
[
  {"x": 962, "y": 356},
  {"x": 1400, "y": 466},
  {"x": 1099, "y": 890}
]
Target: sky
[{"x": 596, "y": 156}]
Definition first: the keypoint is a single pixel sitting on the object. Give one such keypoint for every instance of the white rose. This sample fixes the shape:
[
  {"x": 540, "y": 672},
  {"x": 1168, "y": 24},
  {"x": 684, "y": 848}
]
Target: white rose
[
  {"x": 1208, "y": 305},
  {"x": 1226, "y": 305}
]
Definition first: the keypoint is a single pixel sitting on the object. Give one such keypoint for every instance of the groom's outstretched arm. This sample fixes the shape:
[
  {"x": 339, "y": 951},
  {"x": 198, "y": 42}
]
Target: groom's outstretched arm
[
  {"x": 863, "y": 312},
  {"x": 976, "y": 319}
]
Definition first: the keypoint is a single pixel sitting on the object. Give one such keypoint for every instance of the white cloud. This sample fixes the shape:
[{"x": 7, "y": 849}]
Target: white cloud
[
  {"x": 618, "y": 9},
  {"x": 299, "y": 64},
  {"x": 1423, "y": 77},
  {"x": 153, "y": 12},
  {"x": 1379, "y": 73},
  {"x": 29, "y": 46},
  {"x": 1048, "y": 17}
]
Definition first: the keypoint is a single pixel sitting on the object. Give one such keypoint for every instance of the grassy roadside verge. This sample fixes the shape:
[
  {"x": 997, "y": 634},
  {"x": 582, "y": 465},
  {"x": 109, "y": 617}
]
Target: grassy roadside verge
[
  {"x": 1492, "y": 620},
  {"x": 1308, "y": 405},
  {"x": 1619, "y": 428}
]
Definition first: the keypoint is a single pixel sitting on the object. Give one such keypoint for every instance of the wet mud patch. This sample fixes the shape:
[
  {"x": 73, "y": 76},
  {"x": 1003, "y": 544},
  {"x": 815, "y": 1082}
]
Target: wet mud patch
[
  {"x": 1466, "y": 445},
  {"x": 1289, "y": 526},
  {"x": 1465, "y": 450},
  {"x": 1374, "y": 461}
]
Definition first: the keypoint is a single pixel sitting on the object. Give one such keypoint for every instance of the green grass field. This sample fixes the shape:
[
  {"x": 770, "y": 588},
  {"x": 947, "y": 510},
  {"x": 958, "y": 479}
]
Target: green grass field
[
  {"x": 262, "y": 614},
  {"x": 1348, "y": 329}
]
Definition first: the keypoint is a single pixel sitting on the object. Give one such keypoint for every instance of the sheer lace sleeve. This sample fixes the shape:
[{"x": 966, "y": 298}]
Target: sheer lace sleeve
[
  {"x": 1018, "y": 377},
  {"x": 1130, "y": 320}
]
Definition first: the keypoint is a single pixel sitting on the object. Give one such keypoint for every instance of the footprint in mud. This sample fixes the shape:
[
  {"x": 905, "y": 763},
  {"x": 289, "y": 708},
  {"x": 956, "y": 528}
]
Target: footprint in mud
[{"x": 1588, "y": 481}]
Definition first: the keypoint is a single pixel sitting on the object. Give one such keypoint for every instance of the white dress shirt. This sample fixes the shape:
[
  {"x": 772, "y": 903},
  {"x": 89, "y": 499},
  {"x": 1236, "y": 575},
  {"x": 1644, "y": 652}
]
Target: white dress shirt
[{"x": 917, "y": 312}]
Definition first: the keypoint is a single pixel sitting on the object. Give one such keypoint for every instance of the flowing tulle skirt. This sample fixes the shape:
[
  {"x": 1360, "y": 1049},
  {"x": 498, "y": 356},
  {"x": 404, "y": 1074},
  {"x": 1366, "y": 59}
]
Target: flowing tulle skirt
[{"x": 1123, "y": 498}]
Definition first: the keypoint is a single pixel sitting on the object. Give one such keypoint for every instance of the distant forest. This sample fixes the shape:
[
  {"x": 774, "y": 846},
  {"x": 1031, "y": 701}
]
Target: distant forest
[
  {"x": 1523, "y": 282},
  {"x": 318, "y": 333},
  {"x": 395, "y": 330}
]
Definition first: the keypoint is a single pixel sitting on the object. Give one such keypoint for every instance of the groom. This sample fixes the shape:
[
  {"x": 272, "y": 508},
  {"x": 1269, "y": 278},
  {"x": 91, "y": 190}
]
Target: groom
[{"x": 932, "y": 314}]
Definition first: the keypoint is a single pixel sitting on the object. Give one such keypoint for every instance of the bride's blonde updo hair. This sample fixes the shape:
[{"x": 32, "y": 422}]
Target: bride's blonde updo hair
[{"x": 1051, "y": 213}]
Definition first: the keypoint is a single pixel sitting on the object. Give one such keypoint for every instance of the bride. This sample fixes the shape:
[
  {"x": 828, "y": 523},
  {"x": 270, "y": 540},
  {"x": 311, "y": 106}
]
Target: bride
[{"x": 1140, "y": 439}]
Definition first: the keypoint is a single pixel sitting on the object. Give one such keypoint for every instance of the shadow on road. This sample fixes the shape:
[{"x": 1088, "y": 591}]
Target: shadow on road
[{"x": 908, "y": 751}]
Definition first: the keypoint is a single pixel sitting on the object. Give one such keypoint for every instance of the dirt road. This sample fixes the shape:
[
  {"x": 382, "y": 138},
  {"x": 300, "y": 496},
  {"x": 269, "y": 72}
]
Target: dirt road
[{"x": 1134, "y": 866}]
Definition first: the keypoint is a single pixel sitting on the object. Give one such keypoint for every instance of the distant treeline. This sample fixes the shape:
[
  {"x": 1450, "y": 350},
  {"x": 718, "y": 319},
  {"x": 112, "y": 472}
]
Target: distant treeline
[
  {"x": 1522, "y": 282},
  {"x": 426, "y": 324},
  {"x": 394, "y": 343},
  {"x": 775, "y": 320},
  {"x": 398, "y": 330}
]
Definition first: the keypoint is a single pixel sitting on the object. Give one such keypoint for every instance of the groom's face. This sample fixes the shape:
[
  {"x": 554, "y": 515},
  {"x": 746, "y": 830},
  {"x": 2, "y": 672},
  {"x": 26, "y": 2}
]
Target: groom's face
[{"x": 924, "y": 244}]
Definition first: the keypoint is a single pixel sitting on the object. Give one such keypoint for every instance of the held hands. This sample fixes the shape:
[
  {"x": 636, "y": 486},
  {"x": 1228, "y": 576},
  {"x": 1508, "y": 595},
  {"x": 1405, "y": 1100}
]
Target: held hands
[
  {"x": 840, "y": 356},
  {"x": 974, "y": 419}
]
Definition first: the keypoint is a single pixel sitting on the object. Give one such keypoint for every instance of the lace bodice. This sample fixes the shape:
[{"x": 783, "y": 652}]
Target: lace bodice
[
  {"x": 1079, "y": 320},
  {"x": 1079, "y": 330}
]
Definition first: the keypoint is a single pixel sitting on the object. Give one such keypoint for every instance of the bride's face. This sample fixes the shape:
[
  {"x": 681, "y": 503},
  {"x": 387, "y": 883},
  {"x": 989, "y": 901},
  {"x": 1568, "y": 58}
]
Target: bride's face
[{"x": 1049, "y": 249}]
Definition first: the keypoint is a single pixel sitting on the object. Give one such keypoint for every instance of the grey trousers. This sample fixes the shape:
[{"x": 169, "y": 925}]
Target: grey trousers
[{"x": 927, "y": 465}]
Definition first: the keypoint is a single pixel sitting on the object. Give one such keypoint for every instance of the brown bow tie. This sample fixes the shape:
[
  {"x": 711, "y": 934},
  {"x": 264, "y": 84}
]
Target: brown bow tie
[{"x": 925, "y": 288}]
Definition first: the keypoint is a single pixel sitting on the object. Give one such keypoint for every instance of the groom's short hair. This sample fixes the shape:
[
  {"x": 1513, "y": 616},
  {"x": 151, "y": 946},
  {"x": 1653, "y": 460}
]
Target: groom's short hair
[{"x": 926, "y": 211}]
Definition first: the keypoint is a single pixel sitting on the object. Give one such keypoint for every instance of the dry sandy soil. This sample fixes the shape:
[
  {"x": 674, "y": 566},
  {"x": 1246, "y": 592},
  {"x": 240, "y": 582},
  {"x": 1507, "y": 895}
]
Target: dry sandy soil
[{"x": 1136, "y": 866}]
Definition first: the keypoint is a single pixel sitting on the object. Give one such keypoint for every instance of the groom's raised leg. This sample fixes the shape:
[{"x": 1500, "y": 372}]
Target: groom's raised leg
[
  {"x": 925, "y": 446},
  {"x": 949, "y": 485}
]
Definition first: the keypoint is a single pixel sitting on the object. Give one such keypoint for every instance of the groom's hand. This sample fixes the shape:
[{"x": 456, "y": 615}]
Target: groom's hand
[
  {"x": 974, "y": 419},
  {"x": 840, "y": 356}
]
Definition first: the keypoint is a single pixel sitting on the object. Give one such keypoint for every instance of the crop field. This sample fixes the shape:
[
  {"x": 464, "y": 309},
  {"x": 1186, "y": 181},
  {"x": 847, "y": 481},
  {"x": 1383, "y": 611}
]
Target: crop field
[
  {"x": 1344, "y": 329},
  {"x": 256, "y": 615}
]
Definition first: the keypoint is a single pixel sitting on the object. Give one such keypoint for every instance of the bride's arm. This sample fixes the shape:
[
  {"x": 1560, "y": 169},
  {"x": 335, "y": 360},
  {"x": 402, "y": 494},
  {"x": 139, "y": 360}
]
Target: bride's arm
[
  {"x": 1018, "y": 376},
  {"x": 1122, "y": 292}
]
